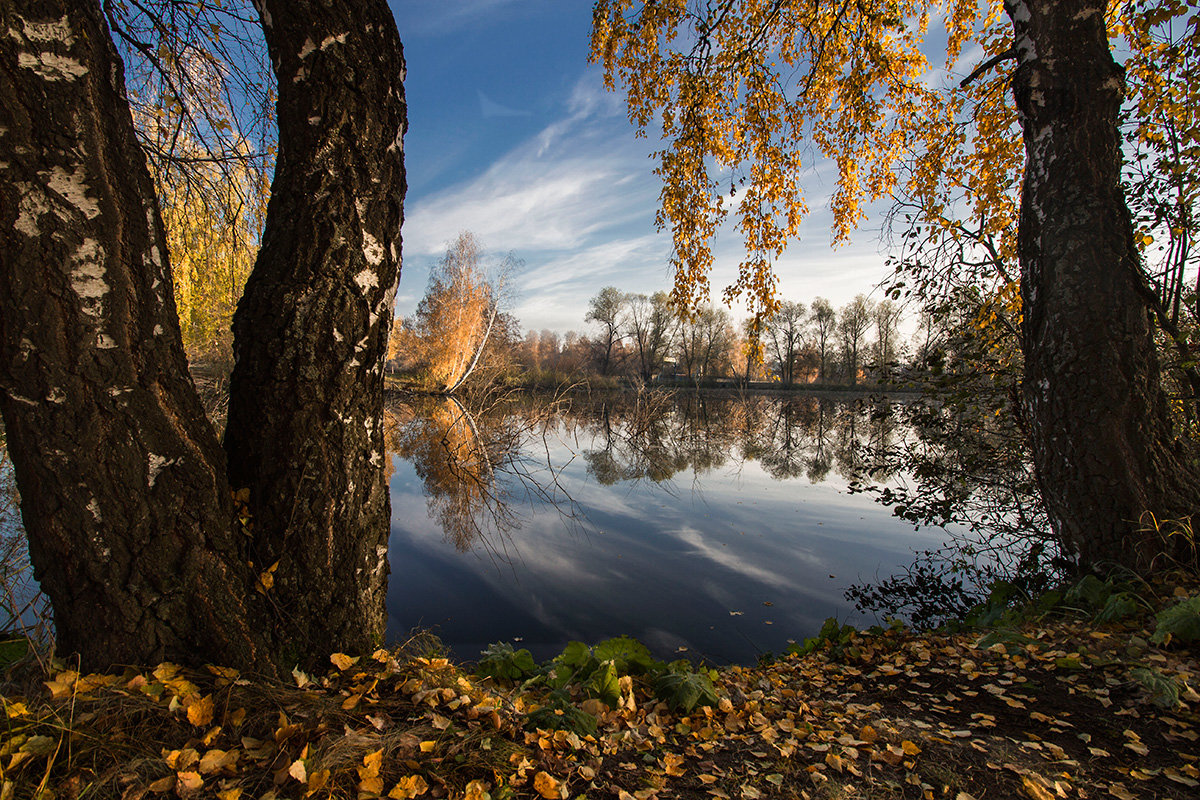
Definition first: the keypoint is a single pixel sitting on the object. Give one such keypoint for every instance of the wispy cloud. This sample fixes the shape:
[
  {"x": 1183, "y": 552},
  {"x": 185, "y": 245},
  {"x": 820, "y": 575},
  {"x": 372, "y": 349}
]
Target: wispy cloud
[
  {"x": 490, "y": 109},
  {"x": 437, "y": 17}
]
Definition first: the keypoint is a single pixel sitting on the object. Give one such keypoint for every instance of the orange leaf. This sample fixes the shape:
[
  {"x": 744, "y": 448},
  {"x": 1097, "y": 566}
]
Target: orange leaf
[
  {"x": 200, "y": 712},
  {"x": 546, "y": 785}
]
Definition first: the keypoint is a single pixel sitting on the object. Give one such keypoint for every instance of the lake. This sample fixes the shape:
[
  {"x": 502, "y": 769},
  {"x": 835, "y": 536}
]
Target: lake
[{"x": 716, "y": 528}]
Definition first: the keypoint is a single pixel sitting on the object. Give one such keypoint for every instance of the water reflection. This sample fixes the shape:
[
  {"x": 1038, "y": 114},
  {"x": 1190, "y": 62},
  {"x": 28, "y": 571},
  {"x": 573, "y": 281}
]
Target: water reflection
[{"x": 710, "y": 526}]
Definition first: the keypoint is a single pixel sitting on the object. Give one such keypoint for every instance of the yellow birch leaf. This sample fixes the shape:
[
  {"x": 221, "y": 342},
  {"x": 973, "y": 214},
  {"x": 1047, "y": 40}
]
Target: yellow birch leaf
[
  {"x": 230, "y": 794},
  {"x": 317, "y": 781},
  {"x": 673, "y": 764},
  {"x": 299, "y": 771},
  {"x": 910, "y": 748},
  {"x": 546, "y": 785},
  {"x": 476, "y": 790},
  {"x": 427, "y": 746},
  {"x": 188, "y": 782},
  {"x": 200, "y": 711},
  {"x": 342, "y": 661},
  {"x": 1034, "y": 789},
  {"x": 372, "y": 762},
  {"x": 409, "y": 787}
]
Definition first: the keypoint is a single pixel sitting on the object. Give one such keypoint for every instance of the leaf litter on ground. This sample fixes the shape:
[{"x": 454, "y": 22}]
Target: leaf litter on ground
[{"x": 1060, "y": 706}]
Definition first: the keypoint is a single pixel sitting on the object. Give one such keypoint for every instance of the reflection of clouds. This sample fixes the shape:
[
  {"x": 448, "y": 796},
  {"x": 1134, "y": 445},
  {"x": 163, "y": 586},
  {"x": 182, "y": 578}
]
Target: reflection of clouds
[
  {"x": 649, "y": 564},
  {"x": 730, "y": 559}
]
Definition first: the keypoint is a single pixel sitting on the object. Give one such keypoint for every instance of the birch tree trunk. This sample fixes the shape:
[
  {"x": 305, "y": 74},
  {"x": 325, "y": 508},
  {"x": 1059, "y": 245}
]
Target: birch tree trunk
[
  {"x": 1102, "y": 436},
  {"x": 126, "y": 494},
  {"x": 305, "y": 430},
  {"x": 122, "y": 480}
]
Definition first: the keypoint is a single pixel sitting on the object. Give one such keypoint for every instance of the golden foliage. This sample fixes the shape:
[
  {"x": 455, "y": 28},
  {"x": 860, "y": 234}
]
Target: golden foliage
[
  {"x": 743, "y": 90},
  {"x": 453, "y": 320},
  {"x": 750, "y": 95}
]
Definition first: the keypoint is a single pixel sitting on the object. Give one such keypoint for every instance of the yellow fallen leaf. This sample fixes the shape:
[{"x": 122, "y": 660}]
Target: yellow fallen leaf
[
  {"x": 427, "y": 746},
  {"x": 372, "y": 762},
  {"x": 299, "y": 771},
  {"x": 546, "y": 785},
  {"x": 342, "y": 661},
  {"x": 1138, "y": 748},
  {"x": 230, "y": 794},
  {"x": 317, "y": 781},
  {"x": 1034, "y": 789},
  {"x": 750, "y": 793},
  {"x": 409, "y": 787},
  {"x": 910, "y": 748},
  {"x": 188, "y": 782},
  {"x": 266, "y": 579},
  {"x": 707, "y": 779},
  {"x": 868, "y": 734},
  {"x": 16, "y": 710},
  {"x": 200, "y": 711},
  {"x": 673, "y": 764}
]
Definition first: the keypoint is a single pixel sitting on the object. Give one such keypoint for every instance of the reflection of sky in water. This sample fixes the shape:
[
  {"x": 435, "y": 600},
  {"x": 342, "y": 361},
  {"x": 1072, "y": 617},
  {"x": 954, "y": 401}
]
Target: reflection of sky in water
[{"x": 664, "y": 563}]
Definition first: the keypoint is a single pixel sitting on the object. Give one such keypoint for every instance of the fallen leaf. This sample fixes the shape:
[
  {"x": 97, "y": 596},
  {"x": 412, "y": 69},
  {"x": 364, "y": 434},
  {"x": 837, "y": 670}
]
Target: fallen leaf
[
  {"x": 546, "y": 785},
  {"x": 1120, "y": 792},
  {"x": 1035, "y": 789},
  {"x": 299, "y": 771},
  {"x": 187, "y": 783},
  {"x": 200, "y": 711},
  {"x": 409, "y": 787},
  {"x": 342, "y": 661}
]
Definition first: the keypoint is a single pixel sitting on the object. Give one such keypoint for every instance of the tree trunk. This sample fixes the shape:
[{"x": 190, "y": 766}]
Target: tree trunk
[
  {"x": 122, "y": 480},
  {"x": 1102, "y": 437},
  {"x": 305, "y": 431}
]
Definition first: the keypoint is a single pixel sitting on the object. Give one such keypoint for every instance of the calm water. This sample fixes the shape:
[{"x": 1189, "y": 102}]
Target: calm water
[{"x": 705, "y": 528}]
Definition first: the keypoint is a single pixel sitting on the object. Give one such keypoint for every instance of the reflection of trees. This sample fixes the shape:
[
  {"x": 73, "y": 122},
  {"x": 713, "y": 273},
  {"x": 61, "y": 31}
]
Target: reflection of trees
[
  {"x": 474, "y": 466},
  {"x": 479, "y": 464},
  {"x": 656, "y": 437}
]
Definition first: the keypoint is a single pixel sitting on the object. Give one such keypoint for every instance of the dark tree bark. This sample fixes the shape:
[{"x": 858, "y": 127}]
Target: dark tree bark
[
  {"x": 305, "y": 430},
  {"x": 122, "y": 480},
  {"x": 125, "y": 490},
  {"x": 1102, "y": 437}
]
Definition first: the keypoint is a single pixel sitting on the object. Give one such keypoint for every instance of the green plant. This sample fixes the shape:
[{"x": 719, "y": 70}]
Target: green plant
[
  {"x": 683, "y": 689},
  {"x": 505, "y": 665},
  {"x": 1180, "y": 622}
]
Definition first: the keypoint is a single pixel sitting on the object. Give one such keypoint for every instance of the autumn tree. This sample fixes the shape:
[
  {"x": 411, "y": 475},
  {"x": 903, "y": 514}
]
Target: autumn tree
[
  {"x": 150, "y": 541},
  {"x": 785, "y": 334},
  {"x": 886, "y": 319},
  {"x": 608, "y": 310},
  {"x": 704, "y": 342},
  {"x": 454, "y": 320},
  {"x": 744, "y": 87},
  {"x": 854, "y": 322},
  {"x": 651, "y": 324},
  {"x": 199, "y": 85},
  {"x": 824, "y": 326}
]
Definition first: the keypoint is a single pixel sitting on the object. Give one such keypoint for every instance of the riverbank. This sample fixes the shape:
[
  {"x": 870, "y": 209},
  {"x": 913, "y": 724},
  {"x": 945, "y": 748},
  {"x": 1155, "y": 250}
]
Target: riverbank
[{"x": 1055, "y": 704}]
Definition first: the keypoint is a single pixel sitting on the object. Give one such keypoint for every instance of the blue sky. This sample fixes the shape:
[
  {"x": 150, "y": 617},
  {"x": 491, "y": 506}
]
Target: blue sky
[{"x": 513, "y": 137}]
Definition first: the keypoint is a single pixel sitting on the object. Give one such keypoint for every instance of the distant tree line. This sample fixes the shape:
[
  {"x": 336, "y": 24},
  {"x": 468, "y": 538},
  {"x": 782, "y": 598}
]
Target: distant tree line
[
  {"x": 645, "y": 339},
  {"x": 458, "y": 330}
]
